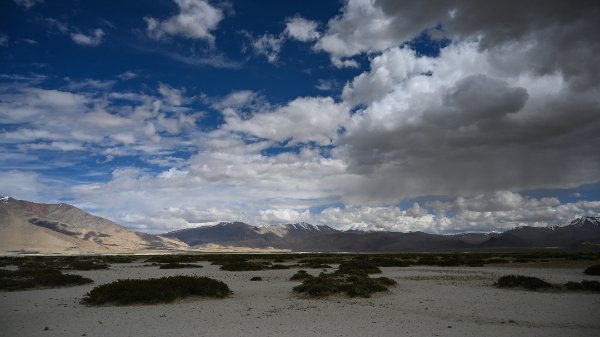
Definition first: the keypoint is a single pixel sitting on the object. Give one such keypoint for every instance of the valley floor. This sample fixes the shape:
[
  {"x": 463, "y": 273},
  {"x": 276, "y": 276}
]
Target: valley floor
[{"x": 428, "y": 301}]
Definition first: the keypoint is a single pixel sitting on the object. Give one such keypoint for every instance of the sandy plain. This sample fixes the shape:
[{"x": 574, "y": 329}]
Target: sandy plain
[{"x": 428, "y": 301}]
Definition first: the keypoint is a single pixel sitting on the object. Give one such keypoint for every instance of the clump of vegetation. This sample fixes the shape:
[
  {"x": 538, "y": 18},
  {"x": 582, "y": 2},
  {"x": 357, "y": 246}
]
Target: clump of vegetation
[
  {"x": 177, "y": 265},
  {"x": 358, "y": 267},
  {"x": 315, "y": 265},
  {"x": 279, "y": 266},
  {"x": 119, "y": 258},
  {"x": 256, "y": 278},
  {"x": 520, "y": 281},
  {"x": 388, "y": 262},
  {"x": 243, "y": 266},
  {"x": 156, "y": 290},
  {"x": 427, "y": 261},
  {"x": 451, "y": 260},
  {"x": 300, "y": 275},
  {"x": 322, "y": 260},
  {"x": 584, "y": 285},
  {"x": 33, "y": 278},
  {"x": 353, "y": 285},
  {"x": 220, "y": 260},
  {"x": 592, "y": 270},
  {"x": 497, "y": 260}
]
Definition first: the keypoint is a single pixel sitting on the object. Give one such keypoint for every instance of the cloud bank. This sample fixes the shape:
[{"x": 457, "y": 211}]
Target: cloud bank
[{"x": 508, "y": 103}]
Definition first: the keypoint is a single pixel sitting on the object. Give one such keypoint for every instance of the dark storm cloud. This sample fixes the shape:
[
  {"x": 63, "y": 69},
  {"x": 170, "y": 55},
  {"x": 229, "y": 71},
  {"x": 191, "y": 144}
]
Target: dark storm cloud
[
  {"x": 480, "y": 100},
  {"x": 555, "y": 35},
  {"x": 512, "y": 103}
]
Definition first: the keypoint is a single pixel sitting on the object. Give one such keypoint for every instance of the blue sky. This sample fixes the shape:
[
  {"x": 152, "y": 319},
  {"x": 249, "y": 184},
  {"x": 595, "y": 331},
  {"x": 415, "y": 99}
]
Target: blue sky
[{"x": 374, "y": 115}]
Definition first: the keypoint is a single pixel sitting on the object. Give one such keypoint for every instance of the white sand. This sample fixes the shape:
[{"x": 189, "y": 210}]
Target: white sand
[{"x": 427, "y": 302}]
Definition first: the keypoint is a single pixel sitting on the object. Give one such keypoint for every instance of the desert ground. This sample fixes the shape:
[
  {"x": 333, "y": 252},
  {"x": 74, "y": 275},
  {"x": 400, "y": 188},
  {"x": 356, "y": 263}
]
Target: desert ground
[{"x": 428, "y": 301}]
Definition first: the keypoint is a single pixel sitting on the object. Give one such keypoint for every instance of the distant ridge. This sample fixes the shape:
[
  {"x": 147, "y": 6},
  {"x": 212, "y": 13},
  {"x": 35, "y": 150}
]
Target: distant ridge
[
  {"x": 581, "y": 233},
  {"x": 62, "y": 228}
]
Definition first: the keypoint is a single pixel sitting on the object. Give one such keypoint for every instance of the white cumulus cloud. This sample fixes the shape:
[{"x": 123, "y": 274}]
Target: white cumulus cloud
[
  {"x": 197, "y": 19},
  {"x": 91, "y": 40},
  {"x": 301, "y": 29}
]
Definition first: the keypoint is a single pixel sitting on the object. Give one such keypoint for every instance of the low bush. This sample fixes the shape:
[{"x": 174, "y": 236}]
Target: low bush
[
  {"x": 364, "y": 286},
  {"x": 220, "y": 260},
  {"x": 119, "y": 258},
  {"x": 386, "y": 281},
  {"x": 177, "y": 265},
  {"x": 353, "y": 285},
  {"x": 497, "y": 260},
  {"x": 156, "y": 290},
  {"x": 388, "y": 262},
  {"x": 243, "y": 266},
  {"x": 321, "y": 260},
  {"x": 592, "y": 270},
  {"x": 256, "y": 278},
  {"x": 279, "y": 266},
  {"x": 520, "y": 281},
  {"x": 315, "y": 265},
  {"x": 358, "y": 267},
  {"x": 47, "y": 278},
  {"x": 300, "y": 275},
  {"x": 427, "y": 261},
  {"x": 584, "y": 285}
]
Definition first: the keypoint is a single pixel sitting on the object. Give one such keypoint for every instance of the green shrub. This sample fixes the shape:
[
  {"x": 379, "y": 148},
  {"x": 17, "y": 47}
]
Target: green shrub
[
  {"x": 322, "y": 285},
  {"x": 388, "y": 262},
  {"x": 321, "y": 260},
  {"x": 363, "y": 286},
  {"x": 386, "y": 281},
  {"x": 119, "y": 258},
  {"x": 243, "y": 266},
  {"x": 279, "y": 266},
  {"x": 585, "y": 285},
  {"x": 256, "y": 278},
  {"x": 156, "y": 290},
  {"x": 592, "y": 270},
  {"x": 25, "y": 279},
  {"x": 520, "y": 281},
  {"x": 497, "y": 260},
  {"x": 226, "y": 259},
  {"x": 427, "y": 261},
  {"x": 353, "y": 285},
  {"x": 176, "y": 265},
  {"x": 300, "y": 275},
  {"x": 315, "y": 265}
]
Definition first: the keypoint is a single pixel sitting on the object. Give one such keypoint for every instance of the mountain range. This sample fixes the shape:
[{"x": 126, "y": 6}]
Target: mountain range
[
  {"x": 582, "y": 233},
  {"x": 61, "y": 228}
]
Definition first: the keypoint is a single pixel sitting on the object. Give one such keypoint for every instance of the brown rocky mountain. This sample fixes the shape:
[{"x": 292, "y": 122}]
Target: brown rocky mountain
[{"x": 61, "y": 228}]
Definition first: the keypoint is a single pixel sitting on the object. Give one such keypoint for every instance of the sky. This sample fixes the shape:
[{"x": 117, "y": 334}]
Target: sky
[{"x": 434, "y": 116}]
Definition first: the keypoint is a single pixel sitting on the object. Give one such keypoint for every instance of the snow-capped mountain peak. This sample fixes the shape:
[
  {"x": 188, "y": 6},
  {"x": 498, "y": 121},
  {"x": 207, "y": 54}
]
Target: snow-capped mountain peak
[{"x": 586, "y": 221}]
